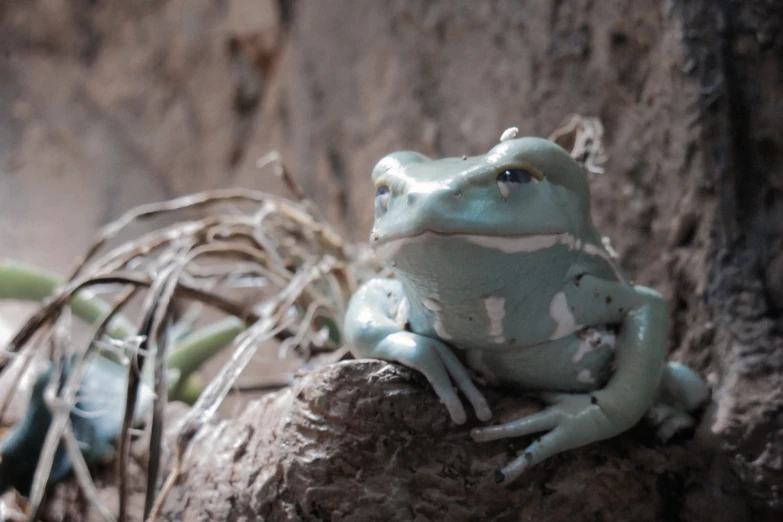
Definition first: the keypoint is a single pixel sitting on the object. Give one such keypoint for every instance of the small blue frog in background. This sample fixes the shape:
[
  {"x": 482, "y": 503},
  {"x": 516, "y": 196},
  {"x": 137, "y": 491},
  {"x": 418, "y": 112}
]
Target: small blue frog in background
[{"x": 96, "y": 420}]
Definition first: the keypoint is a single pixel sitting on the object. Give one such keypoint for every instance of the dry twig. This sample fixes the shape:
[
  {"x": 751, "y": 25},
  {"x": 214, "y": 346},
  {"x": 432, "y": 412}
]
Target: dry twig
[{"x": 298, "y": 272}]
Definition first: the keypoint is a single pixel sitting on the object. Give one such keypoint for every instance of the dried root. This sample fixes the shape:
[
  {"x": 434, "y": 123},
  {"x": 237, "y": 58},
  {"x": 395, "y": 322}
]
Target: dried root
[{"x": 294, "y": 274}]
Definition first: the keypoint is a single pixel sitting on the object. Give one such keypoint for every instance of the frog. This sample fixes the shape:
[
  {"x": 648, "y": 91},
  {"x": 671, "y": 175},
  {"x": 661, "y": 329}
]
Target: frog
[{"x": 500, "y": 279}]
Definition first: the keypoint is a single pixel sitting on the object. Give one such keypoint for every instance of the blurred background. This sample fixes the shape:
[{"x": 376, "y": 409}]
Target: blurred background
[{"x": 106, "y": 105}]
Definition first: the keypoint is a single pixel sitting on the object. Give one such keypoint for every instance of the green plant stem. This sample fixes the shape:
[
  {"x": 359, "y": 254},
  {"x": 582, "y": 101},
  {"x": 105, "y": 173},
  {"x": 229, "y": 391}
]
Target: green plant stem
[
  {"x": 197, "y": 348},
  {"x": 21, "y": 282},
  {"x": 24, "y": 283},
  {"x": 188, "y": 390}
]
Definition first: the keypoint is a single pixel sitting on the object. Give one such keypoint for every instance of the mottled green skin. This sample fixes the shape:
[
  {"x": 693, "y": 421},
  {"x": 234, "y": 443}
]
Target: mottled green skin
[{"x": 509, "y": 282}]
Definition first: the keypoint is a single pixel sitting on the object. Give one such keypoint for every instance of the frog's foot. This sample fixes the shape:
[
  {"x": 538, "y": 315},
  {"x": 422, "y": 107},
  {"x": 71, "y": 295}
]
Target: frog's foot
[
  {"x": 571, "y": 421},
  {"x": 681, "y": 392},
  {"x": 440, "y": 366},
  {"x": 669, "y": 422},
  {"x": 681, "y": 388}
]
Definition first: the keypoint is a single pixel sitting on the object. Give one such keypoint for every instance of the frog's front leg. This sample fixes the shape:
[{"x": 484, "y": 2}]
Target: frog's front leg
[
  {"x": 374, "y": 330},
  {"x": 574, "y": 420}
]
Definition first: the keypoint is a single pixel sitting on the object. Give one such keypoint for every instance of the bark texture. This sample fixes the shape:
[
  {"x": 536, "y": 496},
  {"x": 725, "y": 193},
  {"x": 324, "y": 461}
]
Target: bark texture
[{"x": 104, "y": 105}]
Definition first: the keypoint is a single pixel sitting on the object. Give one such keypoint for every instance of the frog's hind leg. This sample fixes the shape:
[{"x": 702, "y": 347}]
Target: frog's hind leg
[{"x": 680, "y": 393}]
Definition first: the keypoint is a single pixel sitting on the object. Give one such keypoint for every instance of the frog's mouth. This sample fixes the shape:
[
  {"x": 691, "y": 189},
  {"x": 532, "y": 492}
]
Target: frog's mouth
[{"x": 389, "y": 246}]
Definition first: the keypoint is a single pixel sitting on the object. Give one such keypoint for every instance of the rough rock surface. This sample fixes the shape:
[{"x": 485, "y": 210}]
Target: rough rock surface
[
  {"x": 367, "y": 441},
  {"x": 105, "y": 104},
  {"x": 360, "y": 441}
]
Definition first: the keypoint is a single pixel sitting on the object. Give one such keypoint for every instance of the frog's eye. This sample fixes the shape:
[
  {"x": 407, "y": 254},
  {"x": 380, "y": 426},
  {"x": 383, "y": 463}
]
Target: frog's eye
[
  {"x": 382, "y": 195},
  {"x": 511, "y": 177},
  {"x": 515, "y": 176}
]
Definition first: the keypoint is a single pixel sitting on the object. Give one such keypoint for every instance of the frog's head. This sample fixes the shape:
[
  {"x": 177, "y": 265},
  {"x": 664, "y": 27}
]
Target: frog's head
[{"x": 521, "y": 187}]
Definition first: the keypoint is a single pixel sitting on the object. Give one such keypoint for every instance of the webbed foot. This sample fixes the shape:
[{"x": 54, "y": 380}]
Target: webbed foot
[
  {"x": 572, "y": 420},
  {"x": 681, "y": 388},
  {"x": 680, "y": 393}
]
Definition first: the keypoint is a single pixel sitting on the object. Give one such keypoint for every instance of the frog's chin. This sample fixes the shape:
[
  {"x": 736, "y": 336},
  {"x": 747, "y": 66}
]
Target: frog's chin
[{"x": 388, "y": 247}]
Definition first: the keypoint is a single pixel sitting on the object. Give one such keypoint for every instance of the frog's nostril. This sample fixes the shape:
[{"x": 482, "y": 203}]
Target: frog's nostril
[{"x": 412, "y": 197}]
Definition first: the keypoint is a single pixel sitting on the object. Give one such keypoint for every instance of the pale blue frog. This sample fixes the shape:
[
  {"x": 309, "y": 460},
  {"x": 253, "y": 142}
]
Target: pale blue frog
[{"x": 501, "y": 276}]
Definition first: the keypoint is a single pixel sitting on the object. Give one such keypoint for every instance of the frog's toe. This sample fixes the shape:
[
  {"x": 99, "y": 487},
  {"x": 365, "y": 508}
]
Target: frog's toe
[
  {"x": 541, "y": 421},
  {"x": 553, "y": 442},
  {"x": 483, "y": 412},
  {"x": 474, "y": 396},
  {"x": 455, "y": 409},
  {"x": 670, "y": 422},
  {"x": 443, "y": 388},
  {"x": 464, "y": 383},
  {"x": 572, "y": 420}
]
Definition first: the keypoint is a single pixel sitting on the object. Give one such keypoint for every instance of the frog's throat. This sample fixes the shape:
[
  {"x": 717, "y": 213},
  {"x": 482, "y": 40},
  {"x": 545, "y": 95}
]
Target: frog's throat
[{"x": 389, "y": 247}]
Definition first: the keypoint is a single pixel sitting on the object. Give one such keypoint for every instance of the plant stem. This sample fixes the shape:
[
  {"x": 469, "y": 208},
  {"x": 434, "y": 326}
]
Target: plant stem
[
  {"x": 201, "y": 345},
  {"x": 21, "y": 282}
]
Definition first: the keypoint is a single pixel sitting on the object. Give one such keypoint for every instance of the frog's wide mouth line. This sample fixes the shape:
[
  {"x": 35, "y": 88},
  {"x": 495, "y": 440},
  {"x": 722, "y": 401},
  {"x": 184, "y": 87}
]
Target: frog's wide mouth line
[{"x": 388, "y": 246}]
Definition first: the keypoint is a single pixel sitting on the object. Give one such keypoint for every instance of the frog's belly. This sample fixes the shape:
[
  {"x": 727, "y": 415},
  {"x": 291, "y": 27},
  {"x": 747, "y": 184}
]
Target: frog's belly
[
  {"x": 490, "y": 323},
  {"x": 582, "y": 361}
]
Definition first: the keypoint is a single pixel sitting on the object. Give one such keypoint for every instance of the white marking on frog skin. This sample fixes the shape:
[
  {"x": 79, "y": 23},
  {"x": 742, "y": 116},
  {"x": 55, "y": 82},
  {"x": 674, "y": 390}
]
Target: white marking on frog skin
[
  {"x": 475, "y": 361},
  {"x": 585, "y": 376},
  {"x": 506, "y": 244},
  {"x": 567, "y": 240},
  {"x": 433, "y": 306},
  {"x": 514, "y": 244},
  {"x": 496, "y": 311},
  {"x": 607, "y": 243},
  {"x": 561, "y": 313},
  {"x": 509, "y": 134},
  {"x": 403, "y": 313},
  {"x": 509, "y": 245}
]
